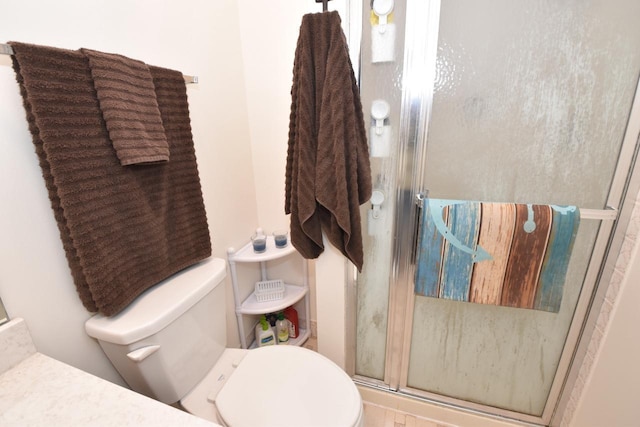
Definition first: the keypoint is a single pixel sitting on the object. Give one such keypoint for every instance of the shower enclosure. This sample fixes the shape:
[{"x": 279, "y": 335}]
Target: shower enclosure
[{"x": 501, "y": 101}]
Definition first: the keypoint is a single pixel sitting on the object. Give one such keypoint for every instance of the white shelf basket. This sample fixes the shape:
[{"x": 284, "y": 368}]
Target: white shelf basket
[{"x": 269, "y": 290}]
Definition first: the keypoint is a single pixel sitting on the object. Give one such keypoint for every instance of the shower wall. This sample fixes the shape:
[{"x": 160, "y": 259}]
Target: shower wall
[{"x": 609, "y": 378}]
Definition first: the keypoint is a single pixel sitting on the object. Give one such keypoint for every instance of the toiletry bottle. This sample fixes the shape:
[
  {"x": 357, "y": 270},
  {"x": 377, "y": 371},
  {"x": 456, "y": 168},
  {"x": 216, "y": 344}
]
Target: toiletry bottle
[
  {"x": 282, "y": 326},
  {"x": 294, "y": 326},
  {"x": 264, "y": 334},
  {"x": 272, "y": 318}
]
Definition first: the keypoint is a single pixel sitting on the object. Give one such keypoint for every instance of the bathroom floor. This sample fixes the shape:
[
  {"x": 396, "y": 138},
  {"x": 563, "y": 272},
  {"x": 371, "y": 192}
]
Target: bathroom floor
[{"x": 380, "y": 416}]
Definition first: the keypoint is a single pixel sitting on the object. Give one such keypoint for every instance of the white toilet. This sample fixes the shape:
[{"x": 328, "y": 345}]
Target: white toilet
[{"x": 170, "y": 344}]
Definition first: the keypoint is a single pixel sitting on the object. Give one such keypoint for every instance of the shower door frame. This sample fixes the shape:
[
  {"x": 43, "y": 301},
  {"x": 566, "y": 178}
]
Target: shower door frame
[{"x": 417, "y": 100}]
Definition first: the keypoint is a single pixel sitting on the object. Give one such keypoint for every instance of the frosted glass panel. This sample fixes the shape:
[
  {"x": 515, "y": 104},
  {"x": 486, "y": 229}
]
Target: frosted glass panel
[
  {"x": 498, "y": 356},
  {"x": 378, "y": 81},
  {"x": 531, "y": 99},
  {"x": 530, "y": 106}
]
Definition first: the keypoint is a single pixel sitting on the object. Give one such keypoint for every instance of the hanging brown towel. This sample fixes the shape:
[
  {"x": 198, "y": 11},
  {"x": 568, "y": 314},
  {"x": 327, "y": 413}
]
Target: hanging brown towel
[
  {"x": 328, "y": 175},
  {"x": 123, "y": 229},
  {"x": 129, "y": 107}
]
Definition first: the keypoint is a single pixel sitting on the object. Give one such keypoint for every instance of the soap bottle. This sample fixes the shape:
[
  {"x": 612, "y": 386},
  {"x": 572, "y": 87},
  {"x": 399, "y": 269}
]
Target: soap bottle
[
  {"x": 272, "y": 318},
  {"x": 282, "y": 326},
  {"x": 294, "y": 326},
  {"x": 264, "y": 334}
]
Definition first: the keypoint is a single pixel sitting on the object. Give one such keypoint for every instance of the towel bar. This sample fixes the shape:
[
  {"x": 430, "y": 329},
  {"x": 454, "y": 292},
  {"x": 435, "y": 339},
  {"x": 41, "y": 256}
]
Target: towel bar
[
  {"x": 6, "y": 49},
  {"x": 609, "y": 213}
]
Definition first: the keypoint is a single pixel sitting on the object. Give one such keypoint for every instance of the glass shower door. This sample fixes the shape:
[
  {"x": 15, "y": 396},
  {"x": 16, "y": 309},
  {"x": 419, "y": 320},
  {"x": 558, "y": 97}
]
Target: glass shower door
[{"x": 527, "y": 102}]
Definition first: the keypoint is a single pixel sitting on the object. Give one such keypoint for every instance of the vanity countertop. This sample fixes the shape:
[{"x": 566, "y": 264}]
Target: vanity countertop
[{"x": 41, "y": 391}]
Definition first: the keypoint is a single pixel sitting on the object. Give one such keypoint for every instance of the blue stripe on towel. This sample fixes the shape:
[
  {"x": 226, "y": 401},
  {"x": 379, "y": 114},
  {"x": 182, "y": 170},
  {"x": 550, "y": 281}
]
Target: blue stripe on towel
[
  {"x": 554, "y": 269},
  {"x": 464, "y": 224},
  {"x": 429, "y": 255}
]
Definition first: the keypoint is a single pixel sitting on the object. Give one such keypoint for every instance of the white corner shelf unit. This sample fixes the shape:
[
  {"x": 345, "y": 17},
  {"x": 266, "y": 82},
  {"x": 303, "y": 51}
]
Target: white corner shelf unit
[{"x": 292, "y": 294}]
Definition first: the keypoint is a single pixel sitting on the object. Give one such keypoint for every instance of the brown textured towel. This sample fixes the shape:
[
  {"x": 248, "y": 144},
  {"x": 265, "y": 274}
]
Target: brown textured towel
[
  {"x": 129, "y": 107},
  {"x": 328, "y": 175},
  {"x": 123, "y": 229}
]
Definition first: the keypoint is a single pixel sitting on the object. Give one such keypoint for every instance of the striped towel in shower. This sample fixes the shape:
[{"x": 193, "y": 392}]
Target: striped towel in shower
[{"x": 507, "y": 254}]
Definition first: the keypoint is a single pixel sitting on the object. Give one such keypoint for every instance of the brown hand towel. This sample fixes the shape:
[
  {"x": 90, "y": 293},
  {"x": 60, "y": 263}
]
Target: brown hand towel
[
  {"x": 328, "y": 175},
  {"x": 123, "y": 229},
  {"x": 129, "y": 107}
]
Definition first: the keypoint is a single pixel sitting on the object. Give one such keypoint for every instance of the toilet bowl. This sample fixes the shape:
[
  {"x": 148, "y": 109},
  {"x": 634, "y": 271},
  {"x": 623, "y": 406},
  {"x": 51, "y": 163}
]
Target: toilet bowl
[{"x": 170, "y": 344}]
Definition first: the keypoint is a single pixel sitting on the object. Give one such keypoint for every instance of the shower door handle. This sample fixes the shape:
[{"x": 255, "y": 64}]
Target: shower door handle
[{"x": 419, "y": 202}]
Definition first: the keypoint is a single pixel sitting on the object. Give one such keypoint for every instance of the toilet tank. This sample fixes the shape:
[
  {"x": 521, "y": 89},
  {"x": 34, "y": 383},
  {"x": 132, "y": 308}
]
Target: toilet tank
[{"x": 169, "y": 337}]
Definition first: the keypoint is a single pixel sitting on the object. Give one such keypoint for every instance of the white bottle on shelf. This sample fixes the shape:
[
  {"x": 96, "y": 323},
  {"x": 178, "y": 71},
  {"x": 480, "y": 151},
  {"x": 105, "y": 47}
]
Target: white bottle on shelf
[
  {"x": 282, "y": 327},
  {"x": 264, "y": 334}
]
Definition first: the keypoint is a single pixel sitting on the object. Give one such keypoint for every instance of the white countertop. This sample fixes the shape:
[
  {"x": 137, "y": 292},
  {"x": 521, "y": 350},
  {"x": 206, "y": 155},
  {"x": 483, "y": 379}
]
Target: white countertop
[{"x": 41, "y": 391}]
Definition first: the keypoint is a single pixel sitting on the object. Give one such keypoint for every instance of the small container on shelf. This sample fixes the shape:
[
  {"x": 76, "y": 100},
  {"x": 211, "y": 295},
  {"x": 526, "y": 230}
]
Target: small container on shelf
[
  {"x": 294, "y": 324},
  {"x": 280, "y": 238},
  {"x": 269, "y": 290},
  {"x": 282, "y": 327},
  {"x": 264, "y": 334},
  {"x": 259, "y": 242}
]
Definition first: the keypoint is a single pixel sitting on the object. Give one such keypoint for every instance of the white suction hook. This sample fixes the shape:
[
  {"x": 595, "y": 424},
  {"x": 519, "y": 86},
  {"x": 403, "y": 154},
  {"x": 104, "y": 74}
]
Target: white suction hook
[
  {"x": 379, "y": 111},
  {"x": 382, "y": 8},
  {"x": 377, "y": 197}
]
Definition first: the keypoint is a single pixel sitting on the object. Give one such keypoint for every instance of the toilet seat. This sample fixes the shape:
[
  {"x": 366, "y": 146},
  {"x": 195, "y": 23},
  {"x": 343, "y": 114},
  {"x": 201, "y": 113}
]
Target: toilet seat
[{"x": 288, "y": 386}]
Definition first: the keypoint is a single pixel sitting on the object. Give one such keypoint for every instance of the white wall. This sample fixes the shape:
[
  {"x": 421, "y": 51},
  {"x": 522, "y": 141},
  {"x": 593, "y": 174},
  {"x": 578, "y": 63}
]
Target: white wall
[
  {"x": 608, "y": 384},
  {"x": 612, "y": 389},
  {"x": 269, "y": 33},
  {"x": 201, "y": 38}
]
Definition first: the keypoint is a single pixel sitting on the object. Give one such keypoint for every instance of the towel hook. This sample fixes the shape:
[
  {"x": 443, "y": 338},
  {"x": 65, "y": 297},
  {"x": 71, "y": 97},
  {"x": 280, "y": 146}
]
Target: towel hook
[{"x": 324, "y": 4}]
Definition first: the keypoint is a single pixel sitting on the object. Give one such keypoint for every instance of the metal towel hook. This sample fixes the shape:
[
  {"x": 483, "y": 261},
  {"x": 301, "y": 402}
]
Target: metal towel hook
[{"x": 324, "y": 4}]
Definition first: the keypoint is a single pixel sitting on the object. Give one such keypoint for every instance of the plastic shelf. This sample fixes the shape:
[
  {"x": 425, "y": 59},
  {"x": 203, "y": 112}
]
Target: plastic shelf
[
  {"x": 303, "y": 336},
  {"x": 292, "y": 294},
  {"x": 251, "y": 306},
  {"x": 246, "y": 253}
]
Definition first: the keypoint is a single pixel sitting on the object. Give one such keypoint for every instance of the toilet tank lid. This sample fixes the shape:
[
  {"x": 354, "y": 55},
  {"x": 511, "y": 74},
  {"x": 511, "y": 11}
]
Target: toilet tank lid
[{"x": 160, "y": 305}]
